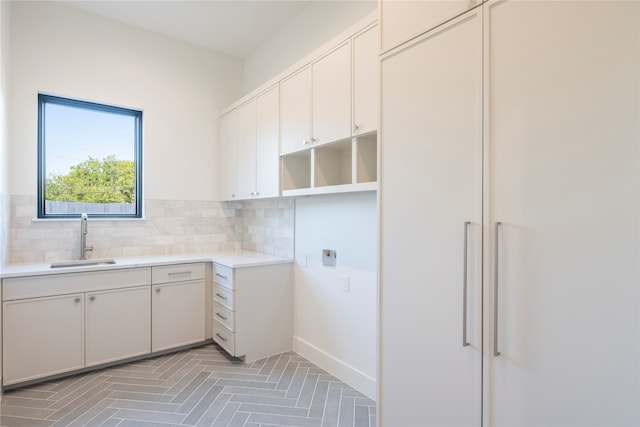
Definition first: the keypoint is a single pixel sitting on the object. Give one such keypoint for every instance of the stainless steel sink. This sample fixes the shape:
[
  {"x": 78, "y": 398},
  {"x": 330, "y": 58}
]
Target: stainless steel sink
[{"x": 83, "y": 263}]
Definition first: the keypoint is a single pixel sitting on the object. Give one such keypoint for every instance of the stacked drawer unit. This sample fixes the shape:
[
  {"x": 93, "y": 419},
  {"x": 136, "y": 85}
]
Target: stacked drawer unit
[
  {"x": 224, "y": 308},
  {"x": 253, "y": 309}
]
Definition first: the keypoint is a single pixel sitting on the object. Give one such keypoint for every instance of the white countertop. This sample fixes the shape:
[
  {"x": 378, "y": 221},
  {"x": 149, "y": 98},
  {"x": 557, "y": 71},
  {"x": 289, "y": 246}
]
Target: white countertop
[{"x": 234, "y": 259}]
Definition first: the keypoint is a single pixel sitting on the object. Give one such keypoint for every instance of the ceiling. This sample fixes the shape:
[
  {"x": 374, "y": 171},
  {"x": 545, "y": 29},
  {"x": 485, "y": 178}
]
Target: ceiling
[{"x": 232, "y": 27}]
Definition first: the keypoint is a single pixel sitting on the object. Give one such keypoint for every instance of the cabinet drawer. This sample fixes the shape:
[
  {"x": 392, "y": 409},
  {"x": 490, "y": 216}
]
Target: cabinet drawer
[
  {"x": 67, "y": 283},
  {"x": 177, "y": 273},
  {"x": 223, "y": 296},
  {"x": 223, "y": 275},
  {"x": 224, "y": 337},
  {"x": 223, "y": 315}
]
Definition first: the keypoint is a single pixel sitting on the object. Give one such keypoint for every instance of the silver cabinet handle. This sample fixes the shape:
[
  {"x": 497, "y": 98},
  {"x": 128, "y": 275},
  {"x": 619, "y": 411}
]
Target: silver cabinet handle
[
  {"x": 221, "y": 296},
  {"x": 355, "y": 127},
  {"x": 221, "y": 316},
  {"x": 92, "y": 298},
  {"x": 314, "y": 140},
  {"x": 464, "y": 285},
  {"x": 305, "y": 142},
  {"x": 77, "y": 300},
  {"x": 221, "y": 276},
  {"x": 221, "y": 337},
  {"x": 157, "y": 290},
  {"x": 495, "y": 289}
]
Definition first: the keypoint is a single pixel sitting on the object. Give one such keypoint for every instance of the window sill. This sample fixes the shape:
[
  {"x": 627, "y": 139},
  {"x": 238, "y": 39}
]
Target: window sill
[{"x": 101, "y": 219}]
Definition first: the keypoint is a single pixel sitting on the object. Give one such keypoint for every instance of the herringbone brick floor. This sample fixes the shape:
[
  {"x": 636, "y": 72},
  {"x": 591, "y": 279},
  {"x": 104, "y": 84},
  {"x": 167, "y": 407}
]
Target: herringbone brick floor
[{"x": 197, "y": 387}]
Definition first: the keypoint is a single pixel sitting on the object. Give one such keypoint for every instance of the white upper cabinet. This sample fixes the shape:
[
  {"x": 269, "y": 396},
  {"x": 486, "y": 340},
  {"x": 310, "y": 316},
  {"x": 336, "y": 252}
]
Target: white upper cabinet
[
  {"x": 402, "y": 20},
  {"x": 365, "y": 82},
  {"x": 267, "y": 147},
  {"x": 227, "y": 156},
  {"x": 295, "y": 110},
  {"x": 246, "y": 150},
  {"x": 250, "y": 134},
  {"x": 316, "y": 102},
  {"x": 314, "y": 128},
  {"x": 331, "y": 96}
]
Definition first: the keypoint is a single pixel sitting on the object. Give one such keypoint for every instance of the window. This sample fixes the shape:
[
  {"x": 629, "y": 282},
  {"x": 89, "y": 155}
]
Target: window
[{"x": 89, "y": 159}]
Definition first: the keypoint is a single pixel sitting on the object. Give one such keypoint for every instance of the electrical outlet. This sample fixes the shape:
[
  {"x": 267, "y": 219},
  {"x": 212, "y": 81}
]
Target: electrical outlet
[
  {"x": 346, "y": 286},
  {"x": 303, "y": 262}
]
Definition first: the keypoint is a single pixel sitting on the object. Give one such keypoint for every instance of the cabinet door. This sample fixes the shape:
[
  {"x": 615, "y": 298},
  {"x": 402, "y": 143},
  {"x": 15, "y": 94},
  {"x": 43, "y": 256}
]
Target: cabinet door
[
  {"x": 295, "y": 110},
  {"x": 365, "y": 82},
  {"x": 268, "y": 158},
  {"x": 563, "y": 122},
  {"x": 402, "y": 20},
  {"x": 332, "y": 96},
  {"x": 227, "y": 156},
  {"x": 108, "y": 315},
  {"x": 42, "y": 337},
  {"x": 246, "y": 150},
  {"x": 431, "y": 136},
  {"x": 178, "y": 312}
]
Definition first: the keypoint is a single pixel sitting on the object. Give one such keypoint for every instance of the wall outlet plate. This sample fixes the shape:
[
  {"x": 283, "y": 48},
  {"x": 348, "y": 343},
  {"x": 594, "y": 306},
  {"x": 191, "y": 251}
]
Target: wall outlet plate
[
  {"x": 329, "y": 257},
  {"x": 346, "y": 286}
]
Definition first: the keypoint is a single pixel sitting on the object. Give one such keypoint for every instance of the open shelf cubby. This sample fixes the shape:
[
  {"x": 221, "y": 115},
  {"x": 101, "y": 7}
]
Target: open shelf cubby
[
  {"x": 296, "y": 171},
  {"x": 343, "y": 166},
  {"x": 333, "y": 164},
  {"x": 366, "y": 153}
]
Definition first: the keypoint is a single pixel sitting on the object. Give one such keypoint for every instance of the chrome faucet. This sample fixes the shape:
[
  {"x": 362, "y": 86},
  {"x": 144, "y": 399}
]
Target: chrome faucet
[{"x": 83, "y": 236}]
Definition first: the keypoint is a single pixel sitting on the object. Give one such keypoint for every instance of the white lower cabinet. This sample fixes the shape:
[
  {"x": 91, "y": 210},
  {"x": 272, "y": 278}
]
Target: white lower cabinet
[
  {"x": 178, "y": 306},
  {"x": 108, "y": 315},
  {"x": 42, "y": 337},
  {"x": 59, "y": 323},
  {"x": 253, "y": 310}
]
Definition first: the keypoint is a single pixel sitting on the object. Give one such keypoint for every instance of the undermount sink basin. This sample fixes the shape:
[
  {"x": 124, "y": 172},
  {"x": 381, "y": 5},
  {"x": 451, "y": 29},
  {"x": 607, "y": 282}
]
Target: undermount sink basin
[{"x": 83, "y": 263}]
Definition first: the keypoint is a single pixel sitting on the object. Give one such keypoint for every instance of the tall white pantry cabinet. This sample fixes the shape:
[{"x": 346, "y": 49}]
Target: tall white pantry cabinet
[{"x": 509, "y": 215}]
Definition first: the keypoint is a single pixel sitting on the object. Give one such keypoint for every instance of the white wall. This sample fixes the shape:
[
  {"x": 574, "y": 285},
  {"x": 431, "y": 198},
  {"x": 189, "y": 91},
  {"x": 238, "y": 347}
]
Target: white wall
[
  {"x": 313, "y": 27},
  {"x": 4, "y": 87},
  {"x": 334, "y": 329},
  {"x": 4, "y": 134},
  {"x": 180, "y": 87}
]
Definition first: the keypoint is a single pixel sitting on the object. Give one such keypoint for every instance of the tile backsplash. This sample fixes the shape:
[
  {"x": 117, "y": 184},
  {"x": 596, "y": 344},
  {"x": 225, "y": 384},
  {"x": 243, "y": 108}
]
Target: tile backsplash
[
  {"x": 5, "y": 209},
  {"x": 268, "y": 226},
  {"x": 169, "y": 227}
]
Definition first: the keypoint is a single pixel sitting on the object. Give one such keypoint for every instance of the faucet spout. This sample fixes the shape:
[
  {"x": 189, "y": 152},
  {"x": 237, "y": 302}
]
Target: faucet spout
[{"x": 84, "y": 229}]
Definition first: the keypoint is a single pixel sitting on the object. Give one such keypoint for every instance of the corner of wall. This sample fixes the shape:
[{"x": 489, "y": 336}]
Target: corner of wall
[
  {"x": 4, "y": 135},
  {"x": 293, "y": 41}
]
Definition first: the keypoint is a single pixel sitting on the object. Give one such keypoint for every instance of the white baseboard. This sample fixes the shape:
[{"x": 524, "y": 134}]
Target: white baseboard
[{"x": 339, "y": 369}]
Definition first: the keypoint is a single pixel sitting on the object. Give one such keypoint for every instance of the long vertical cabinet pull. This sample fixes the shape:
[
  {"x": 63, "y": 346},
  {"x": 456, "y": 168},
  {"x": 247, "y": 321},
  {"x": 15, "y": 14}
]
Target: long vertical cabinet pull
[
  {"x": 464, "y": 285},
  {"x": 495, "y": 290}
]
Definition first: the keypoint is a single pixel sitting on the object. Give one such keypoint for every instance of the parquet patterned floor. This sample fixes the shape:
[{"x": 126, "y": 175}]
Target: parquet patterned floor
[{"x": 197, "y": 387}]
